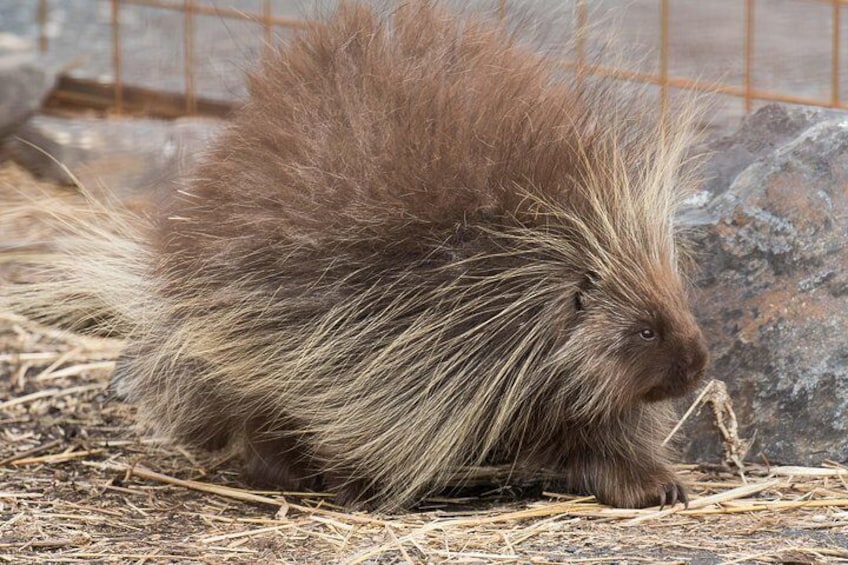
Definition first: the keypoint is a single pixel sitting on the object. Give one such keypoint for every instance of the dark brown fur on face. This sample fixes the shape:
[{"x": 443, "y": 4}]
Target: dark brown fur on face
[{"x": 422, "y": 246}]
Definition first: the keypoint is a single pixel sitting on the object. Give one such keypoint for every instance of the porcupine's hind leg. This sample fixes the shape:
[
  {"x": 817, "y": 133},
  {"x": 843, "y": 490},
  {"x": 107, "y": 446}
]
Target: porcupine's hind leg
[
  {"x": 274, "y": 456},
  {"x": 174, "y": 400},
  {"x": 177, "y": 401},
  {"x": 277, "y": 457},
  {"x": 624, "y": 466}
]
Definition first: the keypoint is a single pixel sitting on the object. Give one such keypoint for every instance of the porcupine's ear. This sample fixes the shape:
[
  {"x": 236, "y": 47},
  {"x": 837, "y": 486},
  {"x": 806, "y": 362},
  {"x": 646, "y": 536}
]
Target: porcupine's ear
[{"x": 589, "y": 281}]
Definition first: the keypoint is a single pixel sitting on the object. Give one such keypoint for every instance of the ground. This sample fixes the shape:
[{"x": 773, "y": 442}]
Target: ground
[{"x": 80, "y": 484}]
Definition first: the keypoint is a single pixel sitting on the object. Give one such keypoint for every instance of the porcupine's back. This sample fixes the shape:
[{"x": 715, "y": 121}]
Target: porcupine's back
[{"x": 375, "y": 265}]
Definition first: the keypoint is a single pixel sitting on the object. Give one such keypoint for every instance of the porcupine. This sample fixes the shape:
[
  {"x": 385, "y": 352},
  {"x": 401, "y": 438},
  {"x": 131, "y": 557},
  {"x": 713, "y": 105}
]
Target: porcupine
[{"x": 420, "y": 246}]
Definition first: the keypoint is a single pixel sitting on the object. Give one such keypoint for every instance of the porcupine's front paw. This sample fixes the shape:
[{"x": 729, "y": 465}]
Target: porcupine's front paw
[{"x": 625, "y": 488}]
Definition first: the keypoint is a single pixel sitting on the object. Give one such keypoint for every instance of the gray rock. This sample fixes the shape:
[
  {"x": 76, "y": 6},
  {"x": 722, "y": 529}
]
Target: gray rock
[
  {"x": 128, "y": 158},
  {"x": 760, "y": 134},
  {"x": 24, "y": 83},
  {"x": 773, "y": 297}
]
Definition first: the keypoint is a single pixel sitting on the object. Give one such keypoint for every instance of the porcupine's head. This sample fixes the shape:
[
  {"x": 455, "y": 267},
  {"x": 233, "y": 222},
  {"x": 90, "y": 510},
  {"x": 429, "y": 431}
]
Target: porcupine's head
[{"x": 631, "y": 336}]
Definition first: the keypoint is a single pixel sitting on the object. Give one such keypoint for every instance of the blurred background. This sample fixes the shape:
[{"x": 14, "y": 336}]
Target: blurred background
[
  {"x": 165, "y": 72},
  {"x": 196, "y": 51}
]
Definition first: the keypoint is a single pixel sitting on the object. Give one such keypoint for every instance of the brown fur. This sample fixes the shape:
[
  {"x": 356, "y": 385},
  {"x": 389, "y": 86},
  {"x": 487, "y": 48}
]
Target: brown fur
[{"x": 421, "y": 246}]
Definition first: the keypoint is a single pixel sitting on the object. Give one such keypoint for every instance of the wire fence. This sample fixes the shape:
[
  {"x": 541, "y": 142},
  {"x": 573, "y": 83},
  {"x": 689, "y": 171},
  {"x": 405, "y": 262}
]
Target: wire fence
[{"x": 121, "y": 95}]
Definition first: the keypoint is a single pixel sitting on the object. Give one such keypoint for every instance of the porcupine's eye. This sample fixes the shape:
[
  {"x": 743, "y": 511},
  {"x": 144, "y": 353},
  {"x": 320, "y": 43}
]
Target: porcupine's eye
[{"x": 647, "y": 334}]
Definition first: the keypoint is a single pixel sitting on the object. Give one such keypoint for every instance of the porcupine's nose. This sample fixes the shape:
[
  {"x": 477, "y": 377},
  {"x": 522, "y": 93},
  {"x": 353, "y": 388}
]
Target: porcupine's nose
[{"x": 696, "y": 357}]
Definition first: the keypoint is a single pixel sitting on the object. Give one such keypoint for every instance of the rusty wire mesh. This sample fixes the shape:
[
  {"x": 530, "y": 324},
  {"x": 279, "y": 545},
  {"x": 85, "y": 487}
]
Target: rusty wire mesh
[{"x": 662, "y": 77}]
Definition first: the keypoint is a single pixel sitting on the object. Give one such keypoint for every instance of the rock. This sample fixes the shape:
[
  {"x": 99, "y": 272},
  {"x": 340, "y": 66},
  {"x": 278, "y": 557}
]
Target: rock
[
  {"x": 128, "y": 158},
  {"x": 773, "y": 284},
  {"x": 760, "y": 134},
  {"x": 24, "y": 83}
]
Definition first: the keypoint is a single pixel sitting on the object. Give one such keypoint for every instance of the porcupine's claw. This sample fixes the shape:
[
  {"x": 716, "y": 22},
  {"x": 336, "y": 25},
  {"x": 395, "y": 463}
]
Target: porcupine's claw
[{"x": 673, "y": 493}]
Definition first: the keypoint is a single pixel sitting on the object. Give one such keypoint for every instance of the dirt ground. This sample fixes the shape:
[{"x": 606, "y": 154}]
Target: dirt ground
[{"x": 79, "y": 484}]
